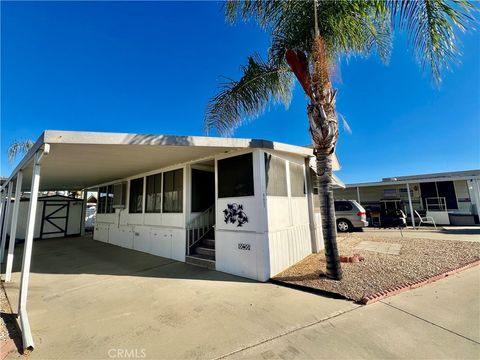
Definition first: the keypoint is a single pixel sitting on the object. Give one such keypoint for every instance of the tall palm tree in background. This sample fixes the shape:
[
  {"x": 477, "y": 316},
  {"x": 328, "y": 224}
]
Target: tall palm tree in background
[
  {"x": 307, "y": 39},
  {"x": 18, "y": 147}
]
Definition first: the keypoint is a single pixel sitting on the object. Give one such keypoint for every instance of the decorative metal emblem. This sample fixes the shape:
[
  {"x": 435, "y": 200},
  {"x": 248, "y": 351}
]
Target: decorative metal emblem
[{"x": 234, "y": 214}]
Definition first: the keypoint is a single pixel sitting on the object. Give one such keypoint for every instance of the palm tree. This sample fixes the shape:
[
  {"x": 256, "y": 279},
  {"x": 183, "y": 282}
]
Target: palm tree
[
  {"x": 307, "y": 37},
  {"x": 18, "y": 148}
]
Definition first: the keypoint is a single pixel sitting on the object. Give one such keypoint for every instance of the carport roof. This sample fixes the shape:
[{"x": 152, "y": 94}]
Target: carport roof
[{"x": 79, "y": 160}]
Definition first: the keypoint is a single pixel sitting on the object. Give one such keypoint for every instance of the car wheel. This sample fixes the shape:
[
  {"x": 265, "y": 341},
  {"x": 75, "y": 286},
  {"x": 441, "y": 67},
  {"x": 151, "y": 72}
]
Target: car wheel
[{"x": 343, "y": 226}]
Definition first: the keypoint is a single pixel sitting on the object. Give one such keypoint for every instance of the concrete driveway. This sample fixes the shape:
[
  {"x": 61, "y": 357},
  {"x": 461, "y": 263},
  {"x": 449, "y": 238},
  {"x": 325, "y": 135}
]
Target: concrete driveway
[
  {"x": 87, "y": 298},
  {"x": 90, "y": 300}
]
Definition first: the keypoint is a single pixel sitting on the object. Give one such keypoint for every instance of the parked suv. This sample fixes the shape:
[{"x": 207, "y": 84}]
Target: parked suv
[{"x": 350, "y": 215}]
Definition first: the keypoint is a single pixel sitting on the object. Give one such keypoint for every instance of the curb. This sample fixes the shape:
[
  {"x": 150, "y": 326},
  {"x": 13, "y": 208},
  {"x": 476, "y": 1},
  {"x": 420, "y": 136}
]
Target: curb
[
  {"x": 307, "y": 289},
  {"x": 6, "y": 347},
  {"x": 414, "y": 284}
]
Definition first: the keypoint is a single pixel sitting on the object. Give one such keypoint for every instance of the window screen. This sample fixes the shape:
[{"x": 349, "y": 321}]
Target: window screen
[
  {"x": 446, "y": 189},
  {"x": 136, "y": 195},
  {"x": 173, "y": 191},
  {"x": 235, "y": 176},
  {"x": 109, "y": 206},
  {"x": 153, "y": 195},
  {"x": 102, "y": 199},
  {"x": 297, "y": 180},
  {"x": 440, "y": 189},
  {"x": 276, "y": 176},
  {"x": 203, "y": 190}
]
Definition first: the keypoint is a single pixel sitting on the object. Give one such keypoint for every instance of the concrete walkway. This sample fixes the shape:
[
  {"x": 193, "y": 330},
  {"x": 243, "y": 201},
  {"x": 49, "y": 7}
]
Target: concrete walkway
[
  {"x": 438, "y": 321},
  {"x": 90, "y": 300}
]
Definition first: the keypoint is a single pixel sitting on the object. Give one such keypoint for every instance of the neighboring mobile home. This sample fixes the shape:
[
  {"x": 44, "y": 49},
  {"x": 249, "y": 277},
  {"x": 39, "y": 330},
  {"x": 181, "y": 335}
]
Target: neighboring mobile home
[{"x": 451, "y": 198}]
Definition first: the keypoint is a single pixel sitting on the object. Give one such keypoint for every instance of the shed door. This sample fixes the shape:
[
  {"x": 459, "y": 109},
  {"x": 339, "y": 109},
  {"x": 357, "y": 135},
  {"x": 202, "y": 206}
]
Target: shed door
[{"x": 55, "y": 219}]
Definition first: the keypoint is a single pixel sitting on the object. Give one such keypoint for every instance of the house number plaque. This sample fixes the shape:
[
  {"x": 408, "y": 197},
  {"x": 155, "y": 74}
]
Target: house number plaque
[{"x": 243, "y": 246}]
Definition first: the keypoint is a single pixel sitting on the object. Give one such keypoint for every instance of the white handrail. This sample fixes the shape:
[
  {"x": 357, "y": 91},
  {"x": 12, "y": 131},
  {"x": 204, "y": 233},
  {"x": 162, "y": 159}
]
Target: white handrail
[{"x": 198, "y": 227}]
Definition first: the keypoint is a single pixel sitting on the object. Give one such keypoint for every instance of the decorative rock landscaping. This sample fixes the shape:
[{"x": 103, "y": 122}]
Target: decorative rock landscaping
[{"x": 400, "y": 264}]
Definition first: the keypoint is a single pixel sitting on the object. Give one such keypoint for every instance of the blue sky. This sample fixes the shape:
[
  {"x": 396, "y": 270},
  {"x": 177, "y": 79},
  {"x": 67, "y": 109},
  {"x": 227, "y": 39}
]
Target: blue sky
[{"x": 151, "y": 68}]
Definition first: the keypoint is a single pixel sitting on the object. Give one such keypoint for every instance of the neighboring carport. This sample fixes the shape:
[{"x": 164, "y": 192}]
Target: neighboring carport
[{"x": 82, "y": 160}]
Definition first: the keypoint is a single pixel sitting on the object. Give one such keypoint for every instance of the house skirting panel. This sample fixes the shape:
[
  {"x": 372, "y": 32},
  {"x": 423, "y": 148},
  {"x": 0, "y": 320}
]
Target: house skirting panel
[
  {"x": 168, "y": 242},
  {"x": 288, "y": 246}
]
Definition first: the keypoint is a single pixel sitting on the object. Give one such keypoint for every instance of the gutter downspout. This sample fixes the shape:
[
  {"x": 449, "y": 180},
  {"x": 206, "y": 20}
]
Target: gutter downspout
[{"x": 27, "y": 251}]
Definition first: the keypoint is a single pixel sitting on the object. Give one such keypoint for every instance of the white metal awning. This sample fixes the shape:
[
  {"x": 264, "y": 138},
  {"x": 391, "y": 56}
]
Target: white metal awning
[{"x": 79, "y": 160}]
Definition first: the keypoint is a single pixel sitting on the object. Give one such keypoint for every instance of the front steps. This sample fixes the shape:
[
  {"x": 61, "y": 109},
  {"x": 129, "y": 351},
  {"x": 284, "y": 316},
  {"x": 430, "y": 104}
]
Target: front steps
[{"x": 203, "y": 254}]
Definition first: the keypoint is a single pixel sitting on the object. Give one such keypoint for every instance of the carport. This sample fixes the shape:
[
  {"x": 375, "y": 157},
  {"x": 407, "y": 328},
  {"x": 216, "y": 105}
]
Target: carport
[
  {"x": 91, "y": 300},
  {"x": 77, "y": 161}
]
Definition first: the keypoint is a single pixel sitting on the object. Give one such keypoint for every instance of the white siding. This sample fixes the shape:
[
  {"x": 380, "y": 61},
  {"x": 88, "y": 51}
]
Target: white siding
[
  {"x": 289, "y": 237},
  {"x": 243, "y": 250}
]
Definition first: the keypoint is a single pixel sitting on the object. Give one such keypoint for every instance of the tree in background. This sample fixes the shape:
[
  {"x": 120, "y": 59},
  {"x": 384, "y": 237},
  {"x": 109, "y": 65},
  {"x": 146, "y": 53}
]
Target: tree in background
[
  {"x": 307, "y": 40},
  {"x": 19, "y": 148}
]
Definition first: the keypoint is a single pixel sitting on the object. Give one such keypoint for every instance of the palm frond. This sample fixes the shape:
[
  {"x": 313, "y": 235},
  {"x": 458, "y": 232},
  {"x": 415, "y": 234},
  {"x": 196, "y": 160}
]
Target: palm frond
[
  {"x": 18, "y": 148},
  {"x": 348, "y": 28},
  {"x": 430, "y": 26},
  {"x": 261, "y": 83},
  {"x": 263, "y": 12}
]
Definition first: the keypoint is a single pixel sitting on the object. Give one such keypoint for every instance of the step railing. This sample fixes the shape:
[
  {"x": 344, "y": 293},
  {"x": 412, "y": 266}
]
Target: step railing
[{"x": 198, "y": 227}]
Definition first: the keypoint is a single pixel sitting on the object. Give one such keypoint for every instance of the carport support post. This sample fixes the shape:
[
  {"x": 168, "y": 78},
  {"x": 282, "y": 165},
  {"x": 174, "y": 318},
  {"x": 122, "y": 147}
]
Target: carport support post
[
  {"x": 5, "y": 221},
  {"x": 358, "y": 195},
  {"x": 84, "y": 212},
  {"x": 412, "y": 214},
  {"x": 2, "y": 201},
  {"x": 27, "y": 256},
  {"x": 13, "y": 228},
  {"x": 2, "y": 209}
]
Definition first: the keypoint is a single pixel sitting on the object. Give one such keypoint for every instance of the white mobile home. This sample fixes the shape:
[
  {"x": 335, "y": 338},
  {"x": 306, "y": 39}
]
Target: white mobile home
[{"x": 241, "y": 206}]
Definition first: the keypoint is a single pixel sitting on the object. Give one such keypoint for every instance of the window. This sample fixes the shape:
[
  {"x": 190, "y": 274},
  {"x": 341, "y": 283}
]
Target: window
[
  {"x": 276, "y": 176},
  {"x": 446, "y": 189},
  {"x": 173, "y": 191},
  {"x": 235, "y": 176},
  {"x": 136, "y": 195},
  {"x": 297, "y": 180},
  {"x": 343, "y": 206},
  {"x": 153, "y": 196},
  {"x": 441, "y": 189},
  {"x": 109, "y": 208},
  {"x": 102, "y": 200},
  {"x": 203, "y": 190},
  {"x": 105, "y": 200}
]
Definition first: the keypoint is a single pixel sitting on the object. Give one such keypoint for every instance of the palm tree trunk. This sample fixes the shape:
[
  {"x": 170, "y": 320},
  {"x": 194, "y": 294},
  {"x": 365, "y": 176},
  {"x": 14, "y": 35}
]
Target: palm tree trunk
[
  {"x": 324, "y": 130},
  {"x": 327, "y": 211}
]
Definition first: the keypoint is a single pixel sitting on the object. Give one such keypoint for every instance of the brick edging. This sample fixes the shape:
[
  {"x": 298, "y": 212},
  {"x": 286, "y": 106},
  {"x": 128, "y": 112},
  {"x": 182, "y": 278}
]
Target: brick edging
[
  {"x": 6, "y": 347},
  {"x": 414, "y": 284}
]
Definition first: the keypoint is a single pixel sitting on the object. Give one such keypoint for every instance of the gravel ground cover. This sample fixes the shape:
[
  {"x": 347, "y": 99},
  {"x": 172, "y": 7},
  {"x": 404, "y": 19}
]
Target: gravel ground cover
[{"x": 418, "y": 258}]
